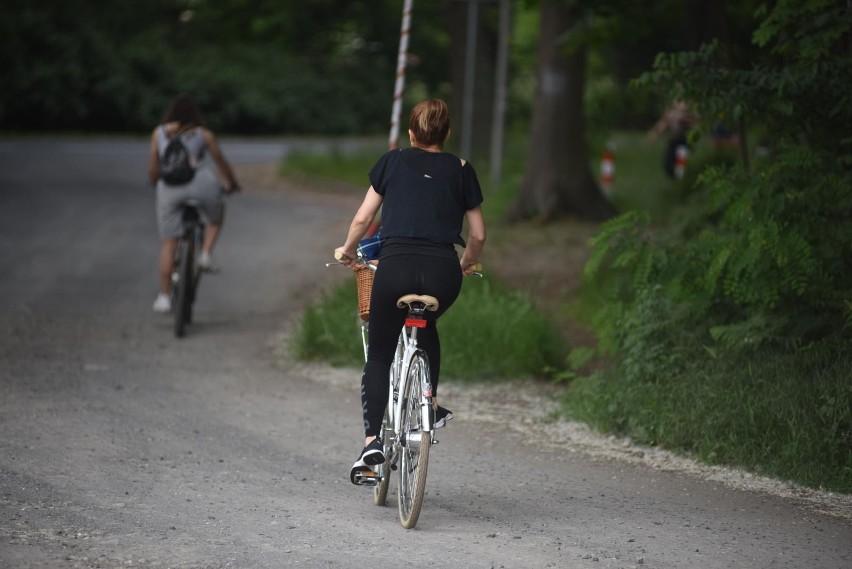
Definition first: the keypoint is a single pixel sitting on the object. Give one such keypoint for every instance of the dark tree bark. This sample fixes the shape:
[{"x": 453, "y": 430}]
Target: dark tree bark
[{"x": 558, "y": 181}]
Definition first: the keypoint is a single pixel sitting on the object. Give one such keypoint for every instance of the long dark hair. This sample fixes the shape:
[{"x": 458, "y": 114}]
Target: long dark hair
[{"x": 184, "y": 110}]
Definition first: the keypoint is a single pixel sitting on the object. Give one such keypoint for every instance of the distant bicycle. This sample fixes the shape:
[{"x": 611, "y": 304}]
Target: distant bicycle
[
  {"x": 186, "y": 274},
  {"x": 408, "y": 427}
]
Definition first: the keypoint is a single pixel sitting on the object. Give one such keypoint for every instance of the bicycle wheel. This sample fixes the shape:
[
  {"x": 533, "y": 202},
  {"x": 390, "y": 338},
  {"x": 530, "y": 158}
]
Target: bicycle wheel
[
  {"x": 414, "y": 448},
  {"x": 183, "y": 286},
  {"x": 380, "y": 491},
  {"x": 198, "y": 236}
]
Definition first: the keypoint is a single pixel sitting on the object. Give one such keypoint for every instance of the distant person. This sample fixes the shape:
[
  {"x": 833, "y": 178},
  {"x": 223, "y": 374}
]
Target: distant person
[
  {"x": 426, "y": 195},
  {"x": 675, "y": 122},
  {"x": 723, "y": 137},
  {"x": 183, "y": 119}
]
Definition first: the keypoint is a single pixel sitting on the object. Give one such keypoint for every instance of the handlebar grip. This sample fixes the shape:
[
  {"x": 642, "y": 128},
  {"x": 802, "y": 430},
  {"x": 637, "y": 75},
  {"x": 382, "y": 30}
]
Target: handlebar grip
[
  {"x": 339, "y": 256},
  {"x": 477, "y": 267}
]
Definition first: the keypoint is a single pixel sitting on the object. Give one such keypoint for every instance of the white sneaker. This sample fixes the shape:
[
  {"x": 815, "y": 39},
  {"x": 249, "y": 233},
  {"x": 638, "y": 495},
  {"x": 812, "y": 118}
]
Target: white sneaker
[
  {"x": 163, "y": 304},
  {"x": 205, "y": 262}
]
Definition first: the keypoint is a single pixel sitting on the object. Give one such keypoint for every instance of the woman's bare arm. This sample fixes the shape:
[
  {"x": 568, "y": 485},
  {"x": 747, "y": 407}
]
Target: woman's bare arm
[
  {"x": 475, "y": 239},
  {"x": 224, "y": 167},
  {"x": 363, "y": 218}
]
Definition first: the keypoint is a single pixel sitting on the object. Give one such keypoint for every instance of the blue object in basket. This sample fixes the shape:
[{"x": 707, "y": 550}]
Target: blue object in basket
[{"x": 370, "y": 247}]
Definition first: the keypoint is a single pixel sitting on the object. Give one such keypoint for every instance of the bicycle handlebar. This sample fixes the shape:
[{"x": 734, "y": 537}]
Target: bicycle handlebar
[{"x": 339, "y": 256}]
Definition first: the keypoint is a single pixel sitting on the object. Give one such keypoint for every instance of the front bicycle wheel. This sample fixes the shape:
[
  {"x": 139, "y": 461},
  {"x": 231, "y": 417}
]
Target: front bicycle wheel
[
  {"x": 414, "y": 447},
  {"x": 380, "y": 490},
  {"x": 183, "y": 286}
]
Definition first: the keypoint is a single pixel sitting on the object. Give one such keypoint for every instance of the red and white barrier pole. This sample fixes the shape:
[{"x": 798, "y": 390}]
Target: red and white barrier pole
[
  {"x": 399, "y": 87},
  {"x": 607, "y": 170},
  {"x": 681, "y": 155}
]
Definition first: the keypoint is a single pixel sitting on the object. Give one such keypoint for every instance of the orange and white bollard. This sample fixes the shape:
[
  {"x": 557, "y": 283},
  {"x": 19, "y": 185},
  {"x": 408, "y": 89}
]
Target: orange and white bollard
[
  {"x": 607, "y": 170},
  {"x": 681, "y": 155}
]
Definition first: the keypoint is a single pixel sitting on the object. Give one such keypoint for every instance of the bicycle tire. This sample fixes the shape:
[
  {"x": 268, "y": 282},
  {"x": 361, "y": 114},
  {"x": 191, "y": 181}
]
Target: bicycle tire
[
  {"x": 413, "y": 461},
  {"x": 198, "y": 236},
  {"x": 183, "y": 286},
  {"x": 380, "y": 490}
]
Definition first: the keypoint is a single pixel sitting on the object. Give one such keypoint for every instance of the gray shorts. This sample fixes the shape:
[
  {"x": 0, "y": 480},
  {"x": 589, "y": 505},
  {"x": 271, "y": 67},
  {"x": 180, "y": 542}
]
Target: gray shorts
[{"x": 203, "y": 188}]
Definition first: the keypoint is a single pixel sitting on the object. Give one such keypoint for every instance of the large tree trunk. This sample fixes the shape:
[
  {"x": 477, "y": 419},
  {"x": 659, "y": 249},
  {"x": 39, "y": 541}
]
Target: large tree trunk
[{"x": 558, "y": 180}]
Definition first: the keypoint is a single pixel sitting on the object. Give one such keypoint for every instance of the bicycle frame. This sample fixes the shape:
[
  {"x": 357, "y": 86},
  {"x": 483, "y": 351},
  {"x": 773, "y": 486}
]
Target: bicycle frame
[{"x": 405, "y": 350}]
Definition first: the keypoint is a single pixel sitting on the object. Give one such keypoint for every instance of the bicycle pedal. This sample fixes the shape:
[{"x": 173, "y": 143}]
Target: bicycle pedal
[{"x": 367, "y": 478}]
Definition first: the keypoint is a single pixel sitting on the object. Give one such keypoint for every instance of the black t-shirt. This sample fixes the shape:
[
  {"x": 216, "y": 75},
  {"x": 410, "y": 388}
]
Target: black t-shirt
[{"x": 425, "y": 196}]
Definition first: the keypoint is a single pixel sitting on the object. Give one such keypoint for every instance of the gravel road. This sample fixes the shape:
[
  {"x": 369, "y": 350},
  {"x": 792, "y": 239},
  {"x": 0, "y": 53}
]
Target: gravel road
[{"x": 121, "y": 446}]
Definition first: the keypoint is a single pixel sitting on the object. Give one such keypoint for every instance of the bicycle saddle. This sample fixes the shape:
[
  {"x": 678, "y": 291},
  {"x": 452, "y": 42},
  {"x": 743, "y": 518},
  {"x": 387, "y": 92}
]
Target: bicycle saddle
[{"x": 430, "y": 301}]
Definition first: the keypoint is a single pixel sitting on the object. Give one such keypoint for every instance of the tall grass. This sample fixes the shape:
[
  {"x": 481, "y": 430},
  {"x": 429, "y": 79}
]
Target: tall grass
[{"x": 489, "y": 333}]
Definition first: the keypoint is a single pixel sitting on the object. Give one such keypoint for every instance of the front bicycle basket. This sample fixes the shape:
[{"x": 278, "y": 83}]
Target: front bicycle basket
[{"x": 364, "y": 282}]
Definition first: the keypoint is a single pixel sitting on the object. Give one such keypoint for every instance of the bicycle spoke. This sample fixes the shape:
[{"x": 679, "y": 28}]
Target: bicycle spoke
[{"x": 414, "y": 448}]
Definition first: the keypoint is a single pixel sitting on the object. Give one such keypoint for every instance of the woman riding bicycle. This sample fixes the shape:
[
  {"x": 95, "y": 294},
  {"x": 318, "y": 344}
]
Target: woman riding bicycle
[
  {"x": 425, "y": 195},
  {"x": 183, "y": 118}
]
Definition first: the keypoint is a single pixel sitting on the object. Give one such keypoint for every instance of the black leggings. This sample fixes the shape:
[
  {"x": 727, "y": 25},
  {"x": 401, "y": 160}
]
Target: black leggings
[{"x": 396, "y": 276}]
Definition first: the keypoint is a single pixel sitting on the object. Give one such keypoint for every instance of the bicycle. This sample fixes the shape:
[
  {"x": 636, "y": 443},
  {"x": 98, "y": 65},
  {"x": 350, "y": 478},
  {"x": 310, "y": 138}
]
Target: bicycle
[
  {"x": 407, "y": 432},
  {"x": 186, "y": 273}
]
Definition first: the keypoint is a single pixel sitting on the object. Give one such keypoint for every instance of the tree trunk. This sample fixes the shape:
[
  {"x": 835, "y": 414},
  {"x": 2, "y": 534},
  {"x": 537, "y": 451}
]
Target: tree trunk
[{"x": 558, "y": 181}]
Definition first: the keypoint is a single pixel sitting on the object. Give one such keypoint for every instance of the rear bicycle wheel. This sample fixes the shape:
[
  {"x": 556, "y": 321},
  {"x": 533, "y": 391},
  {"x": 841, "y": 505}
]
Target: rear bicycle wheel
[
  {"x": 414, "y": 448},
  {"x": 184, "y": 286},
  {"x": 198, "y": 237}
]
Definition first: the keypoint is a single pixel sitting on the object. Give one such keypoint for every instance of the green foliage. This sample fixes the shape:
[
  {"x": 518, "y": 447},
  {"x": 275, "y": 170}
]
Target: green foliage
[
  {"x": 729, "y": 322},
  {"x": 316, "y": 67},
  {"x": 787, "y": 415},
  {"x": 488, "y": 334},
  {"x": 328, "y": 329},
  {"x": 492, "y": 333},
  {"x": 337, "y": 164}
]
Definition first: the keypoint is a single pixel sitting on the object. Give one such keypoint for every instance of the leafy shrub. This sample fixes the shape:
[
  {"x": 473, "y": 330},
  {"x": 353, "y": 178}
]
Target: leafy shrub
[{"x": 729, "y": 324}]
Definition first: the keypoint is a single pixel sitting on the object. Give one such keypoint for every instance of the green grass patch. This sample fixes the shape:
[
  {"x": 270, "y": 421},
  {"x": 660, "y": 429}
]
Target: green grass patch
[
  {"x": 786, "y": 415},
  {"x": 489, "y": 333},
  {"x": 335, "y": 165}
]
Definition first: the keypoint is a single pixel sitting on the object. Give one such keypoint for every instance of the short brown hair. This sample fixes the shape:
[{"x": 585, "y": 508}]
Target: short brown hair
[{"x": 430, "y": 122}]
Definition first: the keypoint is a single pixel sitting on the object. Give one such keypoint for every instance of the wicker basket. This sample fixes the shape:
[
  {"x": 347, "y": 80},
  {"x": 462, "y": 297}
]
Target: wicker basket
[{"x": 364, "y": 282}]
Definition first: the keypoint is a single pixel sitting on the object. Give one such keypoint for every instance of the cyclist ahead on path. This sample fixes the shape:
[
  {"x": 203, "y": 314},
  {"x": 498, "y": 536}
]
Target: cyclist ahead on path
[
  {"x": 425, "y": 195},
  {"x": 183, "y": 118}
]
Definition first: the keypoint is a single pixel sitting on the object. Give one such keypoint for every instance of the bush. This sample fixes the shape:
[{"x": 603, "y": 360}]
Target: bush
[{"x": 729, "y": 323}]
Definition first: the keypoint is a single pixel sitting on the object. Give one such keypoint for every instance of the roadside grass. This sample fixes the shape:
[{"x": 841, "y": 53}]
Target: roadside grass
[
  {"x": 786, "y": 415},
  {"x": 333, "y": 166},
  {"x": 486, "y": 319}
]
